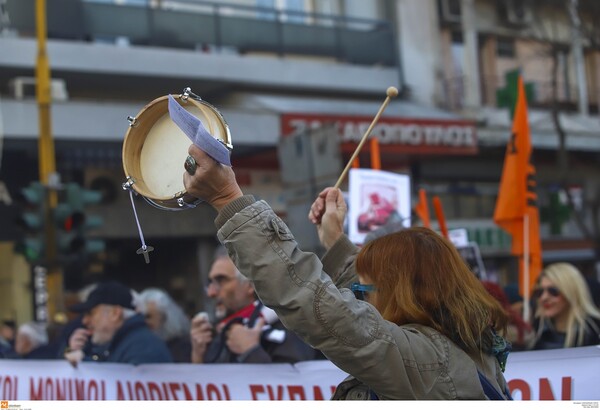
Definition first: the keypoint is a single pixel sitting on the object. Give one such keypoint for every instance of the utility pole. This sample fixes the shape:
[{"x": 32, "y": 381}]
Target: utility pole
[{"x": 47, "y": 162}]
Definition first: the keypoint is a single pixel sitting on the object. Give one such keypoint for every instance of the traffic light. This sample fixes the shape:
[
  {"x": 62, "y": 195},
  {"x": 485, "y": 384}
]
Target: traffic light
[
  {"x": 73, "y": 221},
  {"x": 31, "y": 220}
]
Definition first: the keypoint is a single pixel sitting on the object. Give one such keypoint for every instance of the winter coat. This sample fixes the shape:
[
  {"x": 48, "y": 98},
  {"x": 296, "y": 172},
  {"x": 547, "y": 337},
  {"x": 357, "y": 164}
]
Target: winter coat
[
  {"x": 133, "y": 343},
  {"x": 390, "y": 361}
]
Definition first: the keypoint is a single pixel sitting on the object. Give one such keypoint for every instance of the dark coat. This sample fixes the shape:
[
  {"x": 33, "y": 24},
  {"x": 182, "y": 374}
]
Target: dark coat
[
  {"x": 552, "y": 339},
  {"x": 181, "y": 349},
  {"x": 277, "y": 345},
  {"x": 133, "y": 343}
]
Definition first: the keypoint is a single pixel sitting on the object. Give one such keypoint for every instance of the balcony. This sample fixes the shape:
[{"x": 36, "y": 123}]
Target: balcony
[
  {"x": 540, "y": 94},
  {"x": 212, "y": 26}
]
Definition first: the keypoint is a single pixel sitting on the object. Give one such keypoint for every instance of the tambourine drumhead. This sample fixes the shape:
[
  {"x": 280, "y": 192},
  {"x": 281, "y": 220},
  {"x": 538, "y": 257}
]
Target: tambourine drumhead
[{"x": 155, "y": 149}]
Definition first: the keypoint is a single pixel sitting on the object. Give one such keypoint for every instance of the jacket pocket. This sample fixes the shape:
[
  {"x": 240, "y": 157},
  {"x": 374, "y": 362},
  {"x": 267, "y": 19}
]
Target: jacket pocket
[{"x": 281, "y": 229}]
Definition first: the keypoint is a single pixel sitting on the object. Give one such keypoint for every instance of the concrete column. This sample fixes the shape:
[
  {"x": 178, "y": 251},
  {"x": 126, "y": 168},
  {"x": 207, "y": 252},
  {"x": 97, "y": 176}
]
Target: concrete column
[
  {"x": 488, "y": 68},
  {"x": 471, "y": 55},
  {"x": 577, "y": 46},
  {"x": 420, "y": 49}
]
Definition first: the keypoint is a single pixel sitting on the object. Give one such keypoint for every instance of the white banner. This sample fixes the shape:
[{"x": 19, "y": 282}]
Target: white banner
[{"x": 566, "y": 374}]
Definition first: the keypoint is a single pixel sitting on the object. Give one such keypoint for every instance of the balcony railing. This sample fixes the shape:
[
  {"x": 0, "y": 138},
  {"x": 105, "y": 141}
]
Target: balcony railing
[
  {"x": 541, "y": 95},
  {"x": 208, "y": 26}
]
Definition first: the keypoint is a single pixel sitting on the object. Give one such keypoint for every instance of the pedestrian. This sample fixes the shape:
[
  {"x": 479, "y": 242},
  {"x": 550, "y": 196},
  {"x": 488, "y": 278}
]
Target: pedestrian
[
  {"x": 167, "y": 319},
  {"x": 427, "y": 328},
  {"x": 113, "y": 331},
  {"x": 565, "y": 314},
  {"x": 246, "y": 331}
]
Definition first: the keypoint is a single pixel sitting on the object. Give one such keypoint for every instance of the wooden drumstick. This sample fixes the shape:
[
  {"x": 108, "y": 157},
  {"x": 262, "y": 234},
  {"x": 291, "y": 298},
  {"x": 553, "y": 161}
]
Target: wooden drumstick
[{"x": 391, "y": 92}]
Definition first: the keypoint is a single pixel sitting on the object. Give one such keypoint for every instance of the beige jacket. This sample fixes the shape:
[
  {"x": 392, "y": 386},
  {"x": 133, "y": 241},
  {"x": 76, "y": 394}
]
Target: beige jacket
[{"x": 396, "y": 362}]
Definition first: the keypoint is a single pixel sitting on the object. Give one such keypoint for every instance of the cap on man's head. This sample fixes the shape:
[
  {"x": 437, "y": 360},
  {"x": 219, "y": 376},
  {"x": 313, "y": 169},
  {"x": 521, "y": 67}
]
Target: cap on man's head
[{"x": 108, "y": 293}]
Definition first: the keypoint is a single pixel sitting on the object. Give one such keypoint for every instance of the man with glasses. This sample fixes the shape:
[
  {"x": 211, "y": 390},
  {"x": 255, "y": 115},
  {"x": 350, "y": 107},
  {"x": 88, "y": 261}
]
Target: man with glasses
[{"x": 246, "y": 331}]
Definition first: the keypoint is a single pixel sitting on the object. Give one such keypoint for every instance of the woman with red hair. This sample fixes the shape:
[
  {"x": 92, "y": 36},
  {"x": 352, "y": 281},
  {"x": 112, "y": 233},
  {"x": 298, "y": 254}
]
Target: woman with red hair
[{"x": 419, "y": 324}]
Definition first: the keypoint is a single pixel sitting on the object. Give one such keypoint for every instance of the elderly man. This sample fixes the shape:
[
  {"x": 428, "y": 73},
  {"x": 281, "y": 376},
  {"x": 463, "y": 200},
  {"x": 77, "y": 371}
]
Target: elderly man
[
  {"x": 247, "y": 331},
  {"x": 114, "y": 331}
]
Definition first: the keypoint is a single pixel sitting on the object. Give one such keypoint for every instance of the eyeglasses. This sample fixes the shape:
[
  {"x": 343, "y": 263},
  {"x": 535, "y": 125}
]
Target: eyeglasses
[
  {"x": 218, "y": 281},
  {"x": 360, "y": 290},
  {"x": 539, "y": 291}
]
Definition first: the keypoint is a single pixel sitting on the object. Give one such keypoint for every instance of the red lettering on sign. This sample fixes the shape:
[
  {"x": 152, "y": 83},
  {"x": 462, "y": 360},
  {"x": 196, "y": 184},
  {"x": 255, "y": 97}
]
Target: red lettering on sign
[
  {"x": 186, "y": 393},
  {"x": 212, "y": 392},
  {"x": 9, "y": 387},
  {"x": 296, "y": 393},
  {"x": 33, "y": 393},
  {"x": 140, "y": 391},
  {"x": 521, "y": 385},
  {"x": 255, "y": 390},
  {"x": 154, "y": 391},
  {"x": 546, "y": 393},
  {"x": 175, "y": 387},
  {"x": 317, "y": 393},
  {"x": 199, "y": 392},
  {"x": 546, "y": 390},
  {"x": 226, "y": 392},
  {"x": 275, "y": 395},
  {"x": 120, "y": 394}
]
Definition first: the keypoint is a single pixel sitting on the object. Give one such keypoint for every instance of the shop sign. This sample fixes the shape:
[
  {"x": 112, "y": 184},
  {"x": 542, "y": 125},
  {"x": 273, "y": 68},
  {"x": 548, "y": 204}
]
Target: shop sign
[{"x": 403, "y": 135}]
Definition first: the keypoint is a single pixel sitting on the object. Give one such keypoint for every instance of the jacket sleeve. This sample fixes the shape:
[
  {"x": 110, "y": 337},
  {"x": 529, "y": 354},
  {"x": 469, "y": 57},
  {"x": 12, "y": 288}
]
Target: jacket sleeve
[
  {"x": 338, "y": 262},
  {"x": 351, "y": 333}
]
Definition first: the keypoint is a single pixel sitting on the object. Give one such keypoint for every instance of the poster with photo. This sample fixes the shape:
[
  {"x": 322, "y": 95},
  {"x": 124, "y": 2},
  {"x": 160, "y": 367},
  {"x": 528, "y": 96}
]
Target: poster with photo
[{"x": 376, "y": 198}]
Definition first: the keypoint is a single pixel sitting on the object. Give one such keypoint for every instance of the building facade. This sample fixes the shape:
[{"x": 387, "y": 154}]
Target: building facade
[{"x": 277, "y": 68}]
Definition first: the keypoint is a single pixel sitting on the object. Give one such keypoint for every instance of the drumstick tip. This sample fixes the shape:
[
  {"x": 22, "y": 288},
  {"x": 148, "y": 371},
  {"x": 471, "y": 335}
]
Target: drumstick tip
[{"x": 392, "y": 92}]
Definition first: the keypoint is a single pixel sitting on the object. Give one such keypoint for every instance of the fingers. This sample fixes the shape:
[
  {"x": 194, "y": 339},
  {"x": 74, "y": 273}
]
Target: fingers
[
  {"x": 74, "y": 357},
  {"x": 332, "y": 197},
  {"x": 318, "y": 207},
  {"x": 197, "y": 153},
  {"x": 316, "y": 211},
  {"x": 79, "y": 338},
  {"x": 199, "y": 319},
  {"x": 260, "y": 323}
]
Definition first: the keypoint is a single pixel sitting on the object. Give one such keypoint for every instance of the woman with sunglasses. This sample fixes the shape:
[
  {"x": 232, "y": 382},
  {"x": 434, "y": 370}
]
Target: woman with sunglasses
[
  {"x": 427, "y": 329},
  {"x": 565, "y": 315}
]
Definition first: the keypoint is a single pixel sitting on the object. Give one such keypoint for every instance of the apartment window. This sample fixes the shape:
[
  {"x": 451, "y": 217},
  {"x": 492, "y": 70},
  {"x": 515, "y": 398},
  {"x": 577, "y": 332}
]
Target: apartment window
[
  {"x": 457, "y": 37},
  {"x": 505, "y": 47},
  {"x": 296, "y": 7}
]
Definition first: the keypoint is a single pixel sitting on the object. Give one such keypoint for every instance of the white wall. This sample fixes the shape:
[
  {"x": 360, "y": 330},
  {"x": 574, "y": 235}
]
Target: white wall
[{"x": 419, "y": 40}]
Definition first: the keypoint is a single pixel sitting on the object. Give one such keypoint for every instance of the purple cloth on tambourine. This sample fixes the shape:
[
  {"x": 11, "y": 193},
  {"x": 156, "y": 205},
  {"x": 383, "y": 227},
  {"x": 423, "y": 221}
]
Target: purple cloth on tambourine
[{"x": 195, "y": 131}]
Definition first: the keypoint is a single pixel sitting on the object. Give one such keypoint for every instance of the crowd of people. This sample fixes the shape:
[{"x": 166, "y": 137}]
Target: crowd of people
[{"x": 403, "y": 315}]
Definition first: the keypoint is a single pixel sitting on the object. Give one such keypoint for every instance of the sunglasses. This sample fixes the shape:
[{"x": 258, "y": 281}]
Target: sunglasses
[
  {"x": 554, "y": 292},
  {"x": 360, "y": 290}
]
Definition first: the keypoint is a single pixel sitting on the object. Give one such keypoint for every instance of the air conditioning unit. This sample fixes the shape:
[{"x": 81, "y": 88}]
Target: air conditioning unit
[
  {"x": 517, "y": 12},
  {"x": 450, "y": 11},
  {"x": 24, "y": 87}
]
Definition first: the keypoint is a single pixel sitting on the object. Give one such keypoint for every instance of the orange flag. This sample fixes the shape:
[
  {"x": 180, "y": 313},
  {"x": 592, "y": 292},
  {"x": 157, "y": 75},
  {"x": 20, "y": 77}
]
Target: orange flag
[
  {"x": 439, "y": 213},
  {"x": 422, "y": 209},
  {"x": 517, "y": 201},
  {"x": 375, "y": 155}
]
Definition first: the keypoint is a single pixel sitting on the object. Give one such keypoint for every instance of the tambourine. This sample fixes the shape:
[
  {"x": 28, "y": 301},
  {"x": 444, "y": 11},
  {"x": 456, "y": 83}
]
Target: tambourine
[{"x": 155, "y": 150}]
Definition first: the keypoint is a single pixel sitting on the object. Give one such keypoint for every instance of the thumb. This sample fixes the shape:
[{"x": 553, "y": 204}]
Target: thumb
[{"x": 332, "y": 198}]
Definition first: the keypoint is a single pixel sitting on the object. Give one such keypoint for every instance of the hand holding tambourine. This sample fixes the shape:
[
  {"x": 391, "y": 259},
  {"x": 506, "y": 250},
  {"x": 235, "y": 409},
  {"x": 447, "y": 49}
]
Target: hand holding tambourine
[{"x": 212, "y": 181}]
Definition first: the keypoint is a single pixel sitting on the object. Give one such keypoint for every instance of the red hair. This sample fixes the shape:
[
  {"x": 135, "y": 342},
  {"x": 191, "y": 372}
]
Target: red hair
[{"x": 421, "y": 278}]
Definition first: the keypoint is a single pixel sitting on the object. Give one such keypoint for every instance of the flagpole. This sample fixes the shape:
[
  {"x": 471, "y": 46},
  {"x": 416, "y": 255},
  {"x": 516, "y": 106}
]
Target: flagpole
[{"x": 526, "y": 267}]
